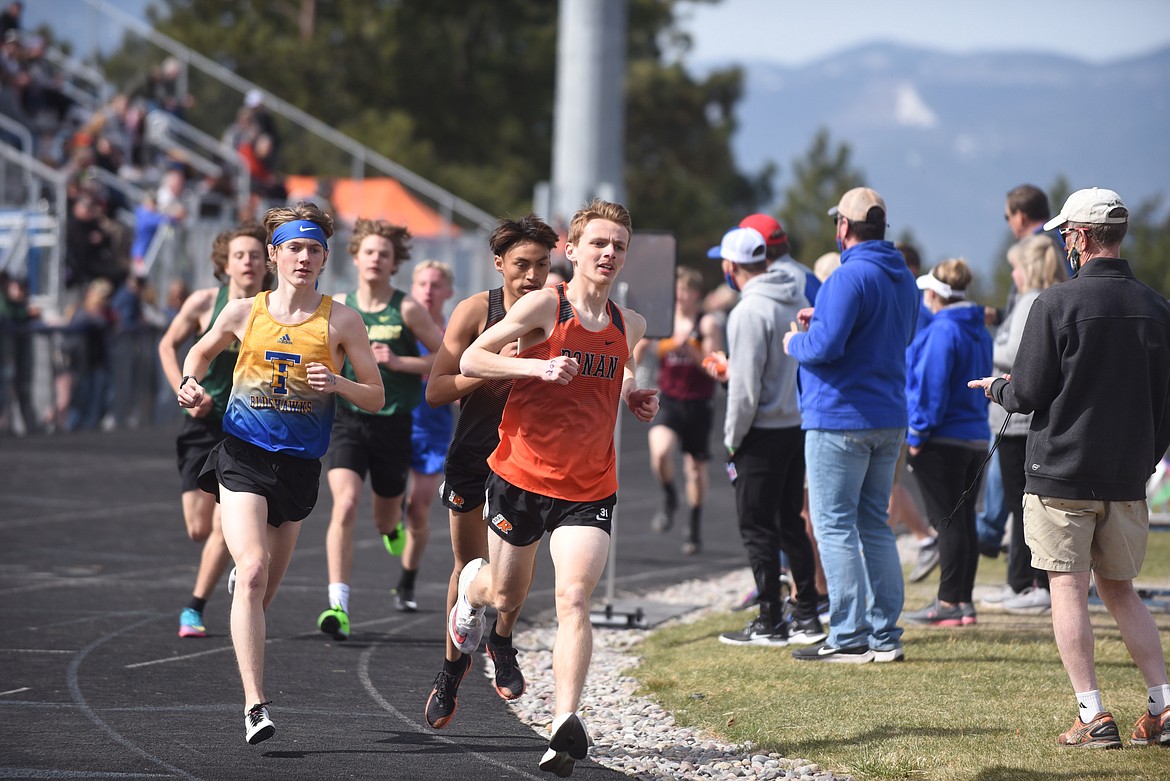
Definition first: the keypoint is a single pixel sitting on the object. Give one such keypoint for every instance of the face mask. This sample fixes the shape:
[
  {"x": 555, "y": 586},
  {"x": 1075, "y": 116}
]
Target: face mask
[
  {"x": 730, "y": 280},
  {"x": 840, "y": 246}
]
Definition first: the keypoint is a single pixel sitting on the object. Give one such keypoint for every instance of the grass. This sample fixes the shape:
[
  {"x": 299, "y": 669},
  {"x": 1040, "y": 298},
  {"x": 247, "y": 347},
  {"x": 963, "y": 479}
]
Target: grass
[{"x": 983, "y": 703}]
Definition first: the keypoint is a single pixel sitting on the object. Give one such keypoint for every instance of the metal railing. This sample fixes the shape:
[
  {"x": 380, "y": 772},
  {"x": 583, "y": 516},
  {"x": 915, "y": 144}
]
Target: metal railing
[{"x": 51, "y": 284}]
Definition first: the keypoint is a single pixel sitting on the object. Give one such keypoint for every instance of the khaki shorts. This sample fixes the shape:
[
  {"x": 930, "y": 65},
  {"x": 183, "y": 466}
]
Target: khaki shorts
[{"x": 1076, "y": 535}]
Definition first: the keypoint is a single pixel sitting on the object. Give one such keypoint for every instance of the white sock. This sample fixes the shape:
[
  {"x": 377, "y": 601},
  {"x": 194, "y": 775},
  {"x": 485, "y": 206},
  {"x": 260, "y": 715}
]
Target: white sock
[
  {"x": 1089, "y": 705},
  {"x": 1159, "y": 699},
  {"x": 339, "y": 596}
]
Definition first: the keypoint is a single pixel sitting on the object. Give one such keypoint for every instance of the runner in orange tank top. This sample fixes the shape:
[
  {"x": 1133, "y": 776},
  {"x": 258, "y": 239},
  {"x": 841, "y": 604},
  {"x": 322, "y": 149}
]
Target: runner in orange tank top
[{"x": 554, "y": 469}]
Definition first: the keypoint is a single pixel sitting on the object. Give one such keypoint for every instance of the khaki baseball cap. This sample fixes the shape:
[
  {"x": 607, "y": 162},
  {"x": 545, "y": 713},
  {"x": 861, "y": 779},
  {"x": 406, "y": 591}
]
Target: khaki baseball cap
[
  {"x": 1092, "y": 206},
  {"x": 856, "y": 204}
]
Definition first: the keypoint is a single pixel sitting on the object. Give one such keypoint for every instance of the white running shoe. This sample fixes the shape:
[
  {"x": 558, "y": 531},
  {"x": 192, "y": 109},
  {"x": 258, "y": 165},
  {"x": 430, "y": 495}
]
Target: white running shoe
[
  {"x": 257, "y": 726},
  {"x": 466, "y": 624},
  {"x": 232, "y": 581}
]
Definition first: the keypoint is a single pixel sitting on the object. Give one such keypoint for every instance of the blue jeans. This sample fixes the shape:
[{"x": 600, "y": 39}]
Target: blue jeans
[
  {"x": 991, "y": 521},
  {"x": 849, "y": 478}
]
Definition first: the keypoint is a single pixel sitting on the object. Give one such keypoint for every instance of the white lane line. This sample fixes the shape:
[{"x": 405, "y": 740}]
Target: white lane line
[
  {"x": 37, "y": 651},
  {"x": 372, "y": 690},
  {"x": 78, "y": 697},
  {"x": 90, "y": 513},
  {"x": 32, "y": 772},
  {"x": 16, "y": 691}
]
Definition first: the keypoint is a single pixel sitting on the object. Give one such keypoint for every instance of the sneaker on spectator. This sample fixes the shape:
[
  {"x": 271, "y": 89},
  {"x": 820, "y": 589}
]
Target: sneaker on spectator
[
  {"x": 1101, "y": 732},
  {"x": 1032, "y": 601},
  {"x": 465, "y": 624},
  {"x": 936, "y": 614},
  {"x": 1152, "y": 730},
  {"x": 758, "y": 632},
  {"x": 926, "y": 561},
  {"x": 894, "y": 654},
  {"x": 191, "y": 623},
  {"x": 509, "y": 681},
  {"x": 969, "y": 615},
  {"x": 257, "y": 725},
  {"x": 997, "y": 597},
  {"x": 826, "y": 653},
  {"x": 806, "y": 631},
  {"x": 444, "y": 699}
]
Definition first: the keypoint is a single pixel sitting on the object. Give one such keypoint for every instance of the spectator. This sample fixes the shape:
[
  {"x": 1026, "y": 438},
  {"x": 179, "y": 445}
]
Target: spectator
[
  {"x": 764, "y": 440},
  {"x": 853, "y": 400},
  {"x": 826, "y": 264},
  {"x": 948, "y": 432},
  {"x": 10, "y": 17},
  {"x": 902, "y": 506},
  {"x": 779, "y": 250},
  {"x": 88, "y": 247},
  {"x": 90, "y": 357},
  {"x": 1036, "y": 266},
  {"x": 16, "y": 316},
  {"x": 1091, "y": 447},
  {"x": 148, "y": 219},
  {"x": 1025, "y": 211}
]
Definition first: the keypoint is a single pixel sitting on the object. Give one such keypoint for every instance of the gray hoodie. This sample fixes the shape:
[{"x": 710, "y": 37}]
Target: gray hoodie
[{"x": 761, "y": 386}]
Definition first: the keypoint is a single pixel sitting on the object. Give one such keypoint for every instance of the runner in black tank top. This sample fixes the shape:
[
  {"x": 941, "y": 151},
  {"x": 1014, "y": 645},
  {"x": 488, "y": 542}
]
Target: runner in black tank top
[{"x": 521, "y": 250}]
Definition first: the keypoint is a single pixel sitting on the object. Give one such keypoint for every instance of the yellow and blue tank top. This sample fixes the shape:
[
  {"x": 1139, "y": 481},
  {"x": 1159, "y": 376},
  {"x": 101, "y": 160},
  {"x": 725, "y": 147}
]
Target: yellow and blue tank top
[
  {"x": 218, "y": 380},
  {"x": 272, "y": 405},
  {"x": 403, "y": 391}
]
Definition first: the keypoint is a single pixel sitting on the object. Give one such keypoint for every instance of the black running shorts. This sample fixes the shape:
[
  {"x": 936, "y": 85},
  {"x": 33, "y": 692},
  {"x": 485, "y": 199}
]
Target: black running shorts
[
  {"x": 463, "y": 489},
  {"x": 377, "y": 444},
  {"x": 691, "y": 419},
  {"x": 197, "y": 437},
  {"x": 288, "y": 483},
  {"x": 522, "y": 517}
]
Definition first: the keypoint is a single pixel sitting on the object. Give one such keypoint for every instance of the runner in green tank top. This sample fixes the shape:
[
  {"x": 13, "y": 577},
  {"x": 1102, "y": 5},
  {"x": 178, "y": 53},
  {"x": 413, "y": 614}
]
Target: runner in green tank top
[
  {"x": 238, "y": 257},
  {"x": 376, "y": 443}
]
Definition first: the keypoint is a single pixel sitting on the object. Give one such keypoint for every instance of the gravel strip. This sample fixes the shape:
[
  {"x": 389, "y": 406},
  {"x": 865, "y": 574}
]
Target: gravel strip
[{"x": 633, "y": 734}]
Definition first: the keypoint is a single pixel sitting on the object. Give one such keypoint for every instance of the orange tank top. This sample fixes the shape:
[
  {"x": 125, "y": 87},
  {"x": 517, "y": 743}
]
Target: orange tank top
[{"x": 557, "y": 440}]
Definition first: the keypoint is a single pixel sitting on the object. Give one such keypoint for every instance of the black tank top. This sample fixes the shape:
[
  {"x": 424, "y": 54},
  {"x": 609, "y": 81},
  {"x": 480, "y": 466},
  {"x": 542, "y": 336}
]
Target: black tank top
[{"x": 477, "y": 432}]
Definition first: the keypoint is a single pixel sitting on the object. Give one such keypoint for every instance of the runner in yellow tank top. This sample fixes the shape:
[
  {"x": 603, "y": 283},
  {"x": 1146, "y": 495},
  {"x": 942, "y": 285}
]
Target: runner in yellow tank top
[
  {"x": 265, "y": 474},
  {"x": 585, "y": 357}
]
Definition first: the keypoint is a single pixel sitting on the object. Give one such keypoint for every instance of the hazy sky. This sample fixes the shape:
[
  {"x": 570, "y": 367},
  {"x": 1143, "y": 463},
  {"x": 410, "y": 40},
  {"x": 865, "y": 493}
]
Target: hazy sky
[{"x": 795, "y": 32}]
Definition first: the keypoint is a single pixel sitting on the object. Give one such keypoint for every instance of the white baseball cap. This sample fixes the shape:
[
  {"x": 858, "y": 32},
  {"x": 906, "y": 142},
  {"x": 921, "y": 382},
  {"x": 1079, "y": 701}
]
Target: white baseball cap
[
  {"x": 1092, "y": 206},
  {"x": 744, "y": 246}
]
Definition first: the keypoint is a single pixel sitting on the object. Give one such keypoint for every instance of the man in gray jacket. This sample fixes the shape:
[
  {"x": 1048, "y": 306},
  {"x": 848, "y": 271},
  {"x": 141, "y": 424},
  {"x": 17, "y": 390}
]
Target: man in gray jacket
[{"x": 765, "y": 442}]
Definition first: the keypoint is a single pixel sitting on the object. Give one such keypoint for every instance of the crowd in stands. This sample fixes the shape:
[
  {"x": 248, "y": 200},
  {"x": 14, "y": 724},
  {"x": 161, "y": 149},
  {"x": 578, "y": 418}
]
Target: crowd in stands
[{"x": 123, "y": 194}]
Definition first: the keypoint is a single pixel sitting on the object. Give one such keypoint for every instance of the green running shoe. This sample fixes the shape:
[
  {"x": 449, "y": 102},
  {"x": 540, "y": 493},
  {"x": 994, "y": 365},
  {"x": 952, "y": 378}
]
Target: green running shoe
[
  {"x": 395, "y": 540},
  {"x": 335, "y": 623}
]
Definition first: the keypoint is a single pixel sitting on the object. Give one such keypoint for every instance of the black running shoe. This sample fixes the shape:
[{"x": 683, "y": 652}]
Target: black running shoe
[
  {"x": 404, "y": 600},
  {"x": 509, "y": 680},
  {"x": 445, "y": 695}
]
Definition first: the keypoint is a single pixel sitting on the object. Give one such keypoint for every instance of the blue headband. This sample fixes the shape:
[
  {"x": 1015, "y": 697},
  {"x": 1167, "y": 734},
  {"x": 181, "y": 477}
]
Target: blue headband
[{"x": 299, "y": 229}]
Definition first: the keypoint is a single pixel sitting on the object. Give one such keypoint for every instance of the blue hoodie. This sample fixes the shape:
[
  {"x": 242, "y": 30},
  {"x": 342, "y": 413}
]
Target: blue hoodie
[
  {"x": 954, "y": 348},
  {"x": 853, "y": 356}
]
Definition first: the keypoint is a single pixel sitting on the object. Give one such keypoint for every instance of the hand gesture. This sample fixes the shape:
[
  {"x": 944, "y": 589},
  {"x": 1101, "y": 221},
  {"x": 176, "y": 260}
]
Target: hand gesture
[
  {"x": 321, "y": 378},
  {"x": 643, "y": 403},
  {"x": 191, "y": 395},
  {"x": 560, "y": 369}
]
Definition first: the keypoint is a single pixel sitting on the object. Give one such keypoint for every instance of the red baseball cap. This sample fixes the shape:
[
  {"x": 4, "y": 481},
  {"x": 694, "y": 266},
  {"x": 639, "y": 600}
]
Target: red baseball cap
[{"x": 768, "y": 226}]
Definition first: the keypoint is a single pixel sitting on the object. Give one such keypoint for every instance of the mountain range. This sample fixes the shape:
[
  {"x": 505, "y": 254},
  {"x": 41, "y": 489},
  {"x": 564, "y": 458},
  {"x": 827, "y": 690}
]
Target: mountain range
[{"x": 944, "y": 136}]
